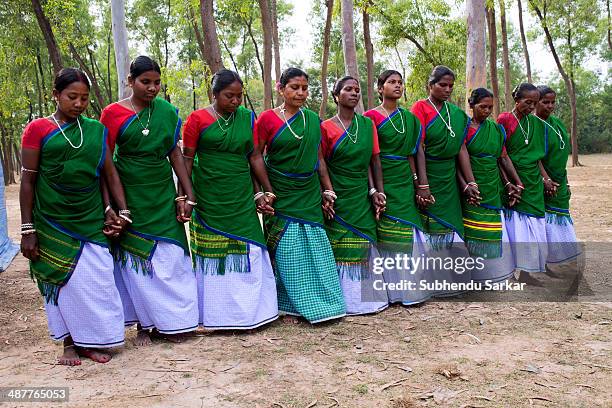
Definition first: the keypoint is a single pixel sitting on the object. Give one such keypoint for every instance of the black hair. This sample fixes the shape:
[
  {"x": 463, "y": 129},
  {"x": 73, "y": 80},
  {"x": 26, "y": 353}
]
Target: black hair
[
  {"x": 438, "y": 73},
  {"x": 291, "y": 73},
  {"x": 69, "y": 75},
  {"x": 478, "y": 95},
  {"x": 519, "y": 91},
  {"x": 339, "y": 85},
  {"x": 142, "y": 64},
  {"x": 224, "y": 78},
  {"x": 545, "y": 90},
  {"x": 382, "y": 78}
]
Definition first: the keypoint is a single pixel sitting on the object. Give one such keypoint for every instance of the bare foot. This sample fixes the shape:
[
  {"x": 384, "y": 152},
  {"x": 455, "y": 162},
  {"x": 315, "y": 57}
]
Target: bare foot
[
  {"x": 172, "y": 338},
  {"x": 70, "y": 357},
  {"x": 553, "y": 274},
  {"x": 94, "y": 355},
  {"x": 142, "y": 339},
  {"x": 288, "y": 319},
  {"x": 525, "y": 277}
]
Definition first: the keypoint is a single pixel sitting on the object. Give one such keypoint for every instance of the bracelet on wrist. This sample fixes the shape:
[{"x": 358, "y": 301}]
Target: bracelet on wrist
[
  {"x": 191, "y": 203},
  {"x": 330, "y": 193},
  {"x": 28, "y": 231},
  {"x": 258, "y": 195},
  {"x": 269, "y": 194},
  {"x": 180, "y": 198},
  {"x": 415, "y": 176},
  {"x": 372, "y": 192},
  {"x": 107, "y": 209}
]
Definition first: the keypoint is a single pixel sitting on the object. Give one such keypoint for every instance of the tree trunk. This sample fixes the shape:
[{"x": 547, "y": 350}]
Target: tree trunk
[
  {"x": 524, "y": 42},
  {"x": 609, "y": 24},
  {"x": 326, "y": 43},
  {"x": 266, "y": 24},
  {"x": 369, "y": 49},
  {"x": 493, "y": 59},
  {"x": 348, "y": 44},
  {"x": 40, "y": 94},
  {"x": 108, "y": 65},
  {"x": 197, "y": 32},
  {"x": 120, "y": 40},
  {"x": 247, "y": 99},
  {"x": 212, "y": 51},
  {"x": 571, "y": 91},
  {"x": 475, "y": 64},
  {"x": 275, "y": 40},
  {"x": 92, "y": 77},
  {"x": 399, "y": 58},
  {"x": 45, "y": 27},
  {"x": 249, "y": 25},
  {"x": 42, "y": 82},
  {"x": 506, "y": 57}
]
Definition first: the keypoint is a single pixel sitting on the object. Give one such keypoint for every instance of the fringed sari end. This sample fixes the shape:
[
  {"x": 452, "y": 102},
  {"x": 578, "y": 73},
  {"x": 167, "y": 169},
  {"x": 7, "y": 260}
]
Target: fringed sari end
[
  {"x": 558, "y": 218},
  {"x": 137, "y": 263},
  {"x": 233, "y": 263}
]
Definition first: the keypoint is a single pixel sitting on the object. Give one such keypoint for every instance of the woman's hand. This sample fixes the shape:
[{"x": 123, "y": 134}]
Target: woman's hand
[
  {"x": 328, "y": 206},
  {"x": 113, "y": 225},
  {"x": 472, "y": 194},
  {"x": 184, "y": 210},
  {"x": 514, "y": 194},
  {"x": 424, "y": 198},
  {"x": 29, "y": 246},
  {"x": 265, "y": 204},
  {"x": 380, "y": 204},
  {"x": 550, "y": 186}
]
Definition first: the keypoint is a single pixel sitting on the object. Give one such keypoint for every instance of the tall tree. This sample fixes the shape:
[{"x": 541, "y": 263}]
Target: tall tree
[
  {"x": 369, "y": 49},
  {"x": 492, "y": 28},
  {"x": 266, "y": 23},
  {"x": 276, "y": 41},
  {"x": 348, "y": 44},
  {"x": 120, "y": 39},
  {"x": 505, "y": 56},
  {"x": 211, "y": 41},
  {"x": 475, "y": 64},
  {"x": 572, "y": 23},
  {"x": 609, "y": 25},
  {"x": 45, "y": 27},
  {"x": 329, "y": 4},
  {"x": 524, "y": 41}
]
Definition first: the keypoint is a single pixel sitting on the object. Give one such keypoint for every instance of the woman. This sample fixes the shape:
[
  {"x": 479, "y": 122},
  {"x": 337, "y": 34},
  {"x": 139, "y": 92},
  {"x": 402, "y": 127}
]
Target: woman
[
  {"x": 399, "y": 229},
  {"x": 306, "y": 278},
  {"x": 236, "y": 288},
  {"x": 445, "y": 126},
  {"x": 153, "y": 256},
  {"x": 350, "y": 148},
  {"x": 560, "y": 233},
  {"x": 485, "y": 235},
  {"x": 525, "y": 144},
  {"x": 63, "y": 230}
]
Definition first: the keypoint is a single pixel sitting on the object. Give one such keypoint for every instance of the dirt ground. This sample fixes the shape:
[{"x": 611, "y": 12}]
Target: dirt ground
[{"x": 454, "y": 354}]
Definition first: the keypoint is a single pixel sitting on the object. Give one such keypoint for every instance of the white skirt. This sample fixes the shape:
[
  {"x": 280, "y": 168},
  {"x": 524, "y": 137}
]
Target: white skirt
[
  {"x": 449, "y": 275},
  {"x": 561, "y": 238},
  {"x": 238, "y": 300},
  {"x": 409, "y": 279},
  {"x": 358, "y": 289},
  {"x": 497, "y": 269},
  {"x": 88, "y": 306},
  {"x": 528, "y": 239},
  {"x": 167, "y": 299}
]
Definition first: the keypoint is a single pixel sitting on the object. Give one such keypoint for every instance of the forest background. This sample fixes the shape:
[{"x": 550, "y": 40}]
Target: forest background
[{"x": 193, "y": 38}]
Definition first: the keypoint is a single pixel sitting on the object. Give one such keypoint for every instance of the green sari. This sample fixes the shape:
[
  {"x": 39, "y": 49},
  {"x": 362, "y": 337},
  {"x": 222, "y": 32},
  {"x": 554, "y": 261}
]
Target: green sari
[
  {"x": 555, "y": 164},
  {"x": 441, "y": 150},
  {"x": 292, "y": 165},
  {"x": 68, "y": 209},
  {"x": 353, "y": 229},
  {"x": 525, "y": 157},
  {"x": 225, "y": 218},
  {"x": 482, "y": 223},
  {"x": 395, "y": 227},
  {"x": 145, "y": 171}
]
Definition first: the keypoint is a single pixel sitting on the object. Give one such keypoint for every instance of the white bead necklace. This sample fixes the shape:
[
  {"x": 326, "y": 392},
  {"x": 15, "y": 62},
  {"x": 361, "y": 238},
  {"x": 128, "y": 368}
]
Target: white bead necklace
[
  {"x": 353, "y": 137},
  {"x": 282, "y": 112},
  {"x": 392, "y": 124},
  {"x": 66, "y": 137},
  {"x": 145, "y": 129},
  {"x": 525, "y": 134},
  {"x": 562, "y": 145},
  {"x": 449, "y": 124}
]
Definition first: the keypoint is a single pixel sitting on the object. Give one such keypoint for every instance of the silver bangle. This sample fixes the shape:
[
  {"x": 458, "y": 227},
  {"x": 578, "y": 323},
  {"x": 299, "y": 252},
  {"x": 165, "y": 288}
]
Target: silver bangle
[
  {"x": 372, "y": 191},
  {"x": 126, "y": 218},
  {"x": 270, "y": 194},
  {"x": 382, "y": 194},
  {"x": 191, "y": 203},
  {"x": 330, "y": 193},
  {"x": 107, "y": 209},
  {"x": 258, "y": 195},
  {"x": 28, "y": 170},
  {"x": 180, "y": 198},
  {"x": 28, "y": 232}
]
